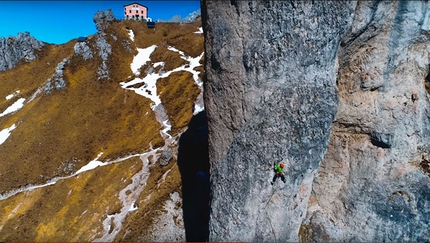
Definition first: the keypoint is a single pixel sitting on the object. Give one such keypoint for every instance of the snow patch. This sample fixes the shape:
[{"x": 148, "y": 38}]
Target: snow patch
[
  {"x": 141, "y": 58},
  {"x": 167, "y": 128},
  {"x": 131, "y": 34},
  {"x": 133, "y": 207},
  {"x": 200, "y": 31},
  {"x": 92, "y": 164},
  {"x": 5, "y": 133},
  {"x": 149, "y": 87},
  {"x": 170, "y": 205},
  {"x": 27, "y": 188},
  {"x": 171, "y": 48},
  {"x": 148, "y": 90},
  {"x": 12, "y": 95},
  {"x": 14, "y": 107},
  {"x": 193, "y": 63},
  {"x": 198, "y": 109},
  {"x": 158, "y": 64}
]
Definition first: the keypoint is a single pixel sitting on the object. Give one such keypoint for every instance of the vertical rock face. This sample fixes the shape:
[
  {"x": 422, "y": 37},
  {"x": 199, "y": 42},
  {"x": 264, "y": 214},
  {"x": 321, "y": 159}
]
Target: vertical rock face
[
  {"x": 270, "y": 95},
  {"x": 13, "y": 50},
  {"x": 373, "y": 184}
]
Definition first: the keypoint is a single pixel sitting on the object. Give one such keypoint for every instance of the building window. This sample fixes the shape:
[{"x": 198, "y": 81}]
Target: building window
[
  {"x": 125, "y": 9},
  {"x": 129, "y": 11},
  {"x": 137, "y": 11},
  {"x": 142, "y": 12}
]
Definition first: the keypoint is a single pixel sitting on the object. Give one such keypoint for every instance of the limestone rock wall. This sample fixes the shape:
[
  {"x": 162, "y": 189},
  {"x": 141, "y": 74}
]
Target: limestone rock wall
[
  {"x": 273, "y": 71},
  {"x": 270, "y": 95},
  {"x": 373, "y": 184}
]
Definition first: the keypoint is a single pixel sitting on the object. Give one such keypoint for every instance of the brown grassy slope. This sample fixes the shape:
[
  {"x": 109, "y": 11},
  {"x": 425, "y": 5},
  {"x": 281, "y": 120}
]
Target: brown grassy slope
[
  {"x": 188, "y": 43},
  {"x": 177, "y": 93},
  {"x": 171, "y": 60},
  {"x": 77, "y": 123},
  {"x": 71, "y": 126},
  {"x": 67, "y": 210},
  {"x": 139, "y": 224},
  {"x": 28, "y": 77},
  {"x": 180, "y": 36}
]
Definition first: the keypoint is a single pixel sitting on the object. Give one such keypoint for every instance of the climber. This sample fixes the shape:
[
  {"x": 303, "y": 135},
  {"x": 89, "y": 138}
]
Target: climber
[{"x": 278, "y": 172}]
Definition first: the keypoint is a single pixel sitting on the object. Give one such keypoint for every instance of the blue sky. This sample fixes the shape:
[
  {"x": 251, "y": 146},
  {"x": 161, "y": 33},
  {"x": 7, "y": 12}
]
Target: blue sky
[{"x": 58, "y": 22}]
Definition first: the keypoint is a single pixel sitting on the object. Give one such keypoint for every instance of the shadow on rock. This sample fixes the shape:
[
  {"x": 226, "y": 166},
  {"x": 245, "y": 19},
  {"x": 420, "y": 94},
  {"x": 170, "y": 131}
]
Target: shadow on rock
[{"x": 193, "y": 162}]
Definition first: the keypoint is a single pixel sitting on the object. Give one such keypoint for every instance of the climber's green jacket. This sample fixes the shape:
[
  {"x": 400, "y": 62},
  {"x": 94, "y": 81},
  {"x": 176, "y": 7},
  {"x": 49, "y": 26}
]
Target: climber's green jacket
[{"x": 278, "y": 168}]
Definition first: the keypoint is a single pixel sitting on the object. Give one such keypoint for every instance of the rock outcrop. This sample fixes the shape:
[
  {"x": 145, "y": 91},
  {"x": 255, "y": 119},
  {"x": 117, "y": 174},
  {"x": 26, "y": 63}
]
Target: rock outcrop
[
  {"x": 372, "y": 184},
  {"x": 270, "y": 95},
  {"x": 102, "y": 19},
  {"x": 105, "y": 49},
  {"x": 81, "y": 48},
  {"x": 15, "y": 49},
  {"x": 57, "y": 82}
]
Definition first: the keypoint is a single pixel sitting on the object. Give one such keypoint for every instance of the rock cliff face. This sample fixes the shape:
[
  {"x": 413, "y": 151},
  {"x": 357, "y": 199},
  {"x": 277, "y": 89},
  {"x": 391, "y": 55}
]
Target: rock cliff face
[
  {"x": 270, "y": 95},
  {"x": 13, "y": 50},
  {"x": 372, "y": 184},
  {"x": 273, "y": 69}
]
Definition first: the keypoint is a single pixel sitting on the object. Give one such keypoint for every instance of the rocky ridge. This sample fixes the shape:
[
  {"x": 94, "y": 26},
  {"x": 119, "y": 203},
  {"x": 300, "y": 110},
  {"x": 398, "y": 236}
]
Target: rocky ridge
[{"x": 15, "y": 49}]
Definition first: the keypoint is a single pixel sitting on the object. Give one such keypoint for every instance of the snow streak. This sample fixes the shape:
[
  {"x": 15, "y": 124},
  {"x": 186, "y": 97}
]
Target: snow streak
[
  {"x": 128, "y": 197},
  {"x": 131, "y": 34},
  {"x": 5, "y": 133},
  {"x": 14, "y": 107},
  {"x": 12, "y": 95}
]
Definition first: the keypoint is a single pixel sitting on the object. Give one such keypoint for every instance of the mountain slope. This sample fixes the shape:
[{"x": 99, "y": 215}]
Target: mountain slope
[{"x": 84, "y": 156}]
